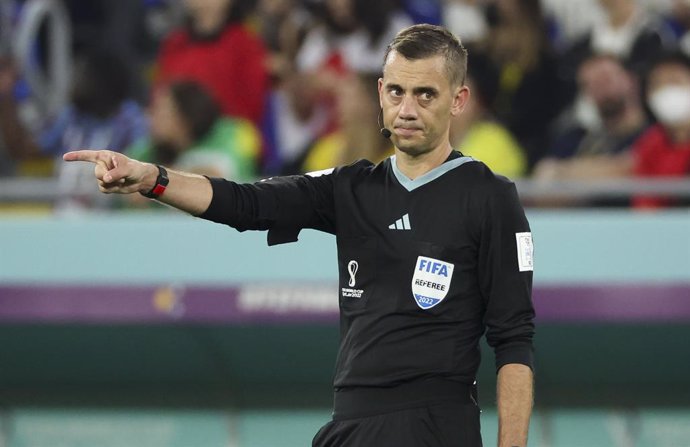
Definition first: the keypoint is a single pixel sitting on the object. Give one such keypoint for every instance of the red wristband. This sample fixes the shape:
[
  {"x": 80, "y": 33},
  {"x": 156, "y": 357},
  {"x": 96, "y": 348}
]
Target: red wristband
[{"x": 160, "y": 186}]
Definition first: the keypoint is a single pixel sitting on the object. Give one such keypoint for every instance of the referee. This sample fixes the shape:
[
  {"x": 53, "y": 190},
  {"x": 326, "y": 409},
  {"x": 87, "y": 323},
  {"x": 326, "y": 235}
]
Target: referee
[{"x": 434, "y": 251}]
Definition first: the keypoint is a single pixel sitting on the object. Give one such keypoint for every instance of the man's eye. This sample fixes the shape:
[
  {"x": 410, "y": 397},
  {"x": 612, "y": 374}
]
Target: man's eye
[
  {"x": 427, "y": 96},
  {"x": 396, "y": 92}
]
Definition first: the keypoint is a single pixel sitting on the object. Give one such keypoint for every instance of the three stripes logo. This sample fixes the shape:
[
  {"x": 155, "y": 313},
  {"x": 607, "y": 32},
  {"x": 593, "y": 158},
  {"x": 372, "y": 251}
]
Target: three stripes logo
[{"x": 401, "y": 224}]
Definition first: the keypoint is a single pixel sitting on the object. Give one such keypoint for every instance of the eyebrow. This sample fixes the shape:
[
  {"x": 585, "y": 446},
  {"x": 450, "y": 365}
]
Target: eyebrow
[{"x": 416, "y": 90}]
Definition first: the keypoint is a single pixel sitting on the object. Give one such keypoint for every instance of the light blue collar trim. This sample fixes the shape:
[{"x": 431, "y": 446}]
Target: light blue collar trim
[{"x": 430, "y": 176}]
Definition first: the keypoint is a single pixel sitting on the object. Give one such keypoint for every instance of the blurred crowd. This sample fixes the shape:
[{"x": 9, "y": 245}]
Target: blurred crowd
[{"x": 561, "y": 90}]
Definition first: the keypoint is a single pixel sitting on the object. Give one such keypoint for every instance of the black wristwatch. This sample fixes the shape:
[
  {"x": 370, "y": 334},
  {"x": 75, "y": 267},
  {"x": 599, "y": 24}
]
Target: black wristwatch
[{"x": 161, "y": 183}]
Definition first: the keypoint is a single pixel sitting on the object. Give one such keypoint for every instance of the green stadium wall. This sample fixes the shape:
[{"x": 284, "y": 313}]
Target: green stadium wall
[{"x": 278, "y": 364}]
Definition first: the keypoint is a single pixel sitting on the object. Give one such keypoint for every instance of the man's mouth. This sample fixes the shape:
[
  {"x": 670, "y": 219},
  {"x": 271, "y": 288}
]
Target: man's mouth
[{"x": 406, "y": 131}]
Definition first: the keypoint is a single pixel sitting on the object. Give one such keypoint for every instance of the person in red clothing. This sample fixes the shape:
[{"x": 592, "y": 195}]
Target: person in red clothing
[
  {"x": 216, "y": 49},
  {"x": 664, "y": 149}
]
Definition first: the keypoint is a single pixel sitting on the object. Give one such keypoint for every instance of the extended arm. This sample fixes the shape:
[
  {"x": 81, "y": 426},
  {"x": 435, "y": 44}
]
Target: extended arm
[
  {"x": 119, "y": 174},
  {"x": 515, "y": 396},
  {"x": 282, "y": 205}
]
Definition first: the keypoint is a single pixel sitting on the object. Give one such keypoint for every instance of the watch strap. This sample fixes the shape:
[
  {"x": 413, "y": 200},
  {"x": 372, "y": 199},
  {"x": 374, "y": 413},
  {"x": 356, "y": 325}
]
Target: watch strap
[{"x": 160, "y": 185}]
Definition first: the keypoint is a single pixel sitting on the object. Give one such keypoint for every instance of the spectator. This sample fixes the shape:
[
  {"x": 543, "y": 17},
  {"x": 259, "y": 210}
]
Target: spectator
[
  {"x": 423, "y": 11},
  {"x": 531, "y": 93},
  {"x": 678, "y": 18},
  {"x": 601, "y": 149},
  {"x": 628, "y": 31},
  {"x": 283, "y": 26},
  {"x": 189, "y": 133},
  {"x": 476, "y": 133},
  {"x": 351, "y": 37},
  {"x": 100, "y": 113},
  {"x": 664, "y": 149},
  {"x": 572, "y": 20},
  {"x": 466, "y": 19},
  {"x": 120, "y": 26},
  {"x": 218, "y": 50},
  {"x": 358, "y": 135}
]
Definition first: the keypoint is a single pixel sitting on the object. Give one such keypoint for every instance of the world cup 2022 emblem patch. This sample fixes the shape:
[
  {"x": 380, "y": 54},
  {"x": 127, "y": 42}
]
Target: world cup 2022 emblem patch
[{"x": 431, "y": 281}]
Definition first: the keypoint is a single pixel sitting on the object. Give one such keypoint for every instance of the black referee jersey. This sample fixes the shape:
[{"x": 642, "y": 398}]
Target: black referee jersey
[{"x": 426, "y": 266}]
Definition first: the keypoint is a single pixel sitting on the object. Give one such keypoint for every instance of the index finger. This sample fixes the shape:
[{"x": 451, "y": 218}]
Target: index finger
[{"x": 84, "y": 155}]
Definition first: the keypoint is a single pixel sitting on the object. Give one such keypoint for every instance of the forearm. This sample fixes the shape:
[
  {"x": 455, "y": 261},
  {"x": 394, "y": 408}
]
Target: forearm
[
  {"x": 119, "y": 174},
  {"x": 191, "y": 193},
  {"x": 305, "y": 202},
  {"x": 515, "y": 397}
]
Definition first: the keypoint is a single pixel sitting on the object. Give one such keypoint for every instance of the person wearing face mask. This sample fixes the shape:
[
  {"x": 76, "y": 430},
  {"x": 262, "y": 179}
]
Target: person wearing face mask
[
  {"x": 664, "y": 149},
  {"x": 610, "y": 117}
]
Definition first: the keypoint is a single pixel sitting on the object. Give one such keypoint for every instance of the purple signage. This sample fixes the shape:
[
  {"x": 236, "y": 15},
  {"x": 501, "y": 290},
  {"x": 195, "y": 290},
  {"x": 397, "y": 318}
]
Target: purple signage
[{"x": 307, "y": 303}]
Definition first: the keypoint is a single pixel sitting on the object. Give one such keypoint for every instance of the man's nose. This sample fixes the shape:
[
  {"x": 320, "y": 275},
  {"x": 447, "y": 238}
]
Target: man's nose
[{"x": 408, "y": 108}]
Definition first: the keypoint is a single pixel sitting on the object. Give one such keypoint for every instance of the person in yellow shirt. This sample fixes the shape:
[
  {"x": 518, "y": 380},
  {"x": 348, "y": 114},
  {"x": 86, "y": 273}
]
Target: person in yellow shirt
[
  {"x": 476, "y": 133},
  {"x": 357, "y": 136}
]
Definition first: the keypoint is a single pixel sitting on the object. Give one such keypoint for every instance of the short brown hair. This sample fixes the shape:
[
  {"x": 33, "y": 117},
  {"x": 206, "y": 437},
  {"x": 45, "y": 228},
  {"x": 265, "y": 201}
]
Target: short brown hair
[{"x": 423, "y": 41}]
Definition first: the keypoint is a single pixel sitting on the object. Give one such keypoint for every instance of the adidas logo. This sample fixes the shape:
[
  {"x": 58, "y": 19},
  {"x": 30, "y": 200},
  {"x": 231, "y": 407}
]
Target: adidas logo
[{"x": 401, "y": 224}]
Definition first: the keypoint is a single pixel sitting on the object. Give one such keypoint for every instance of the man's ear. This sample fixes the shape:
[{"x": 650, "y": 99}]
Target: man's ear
[
  {"x": 380, "y": 93},
  {"x": 460, "y": 100}
]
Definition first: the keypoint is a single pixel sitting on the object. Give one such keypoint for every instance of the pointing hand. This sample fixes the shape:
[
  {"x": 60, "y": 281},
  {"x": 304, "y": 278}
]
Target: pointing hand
[{"x": 117, "y": 173}]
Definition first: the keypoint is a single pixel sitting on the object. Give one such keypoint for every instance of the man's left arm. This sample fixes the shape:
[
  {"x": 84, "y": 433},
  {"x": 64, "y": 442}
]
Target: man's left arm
[
  {"x": 515, "y": 394},
  {"x": 505, "y": 277}
]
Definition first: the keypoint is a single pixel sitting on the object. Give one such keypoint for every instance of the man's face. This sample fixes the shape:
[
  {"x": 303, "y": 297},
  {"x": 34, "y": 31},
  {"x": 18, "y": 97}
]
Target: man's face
[
  {"x": 342, "y": 13},
  {"x": 166, "y": 122},
  {"x": 608, "y": 85},
  {"x": 208, "y": 16},
  {"x": 418, "y": 102}
]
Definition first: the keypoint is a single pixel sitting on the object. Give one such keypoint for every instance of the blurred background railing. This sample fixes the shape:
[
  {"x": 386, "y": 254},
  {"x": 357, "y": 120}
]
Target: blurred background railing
[{"x": 50, "y": 190}]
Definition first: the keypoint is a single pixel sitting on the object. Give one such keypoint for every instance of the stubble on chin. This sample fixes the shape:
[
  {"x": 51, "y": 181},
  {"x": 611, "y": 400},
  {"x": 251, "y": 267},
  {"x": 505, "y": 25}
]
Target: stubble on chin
[{"x": 413, "y": 149}]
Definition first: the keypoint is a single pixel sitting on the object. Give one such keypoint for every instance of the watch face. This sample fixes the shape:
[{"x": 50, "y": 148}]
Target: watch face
[{"x": 162, "y": 176}]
